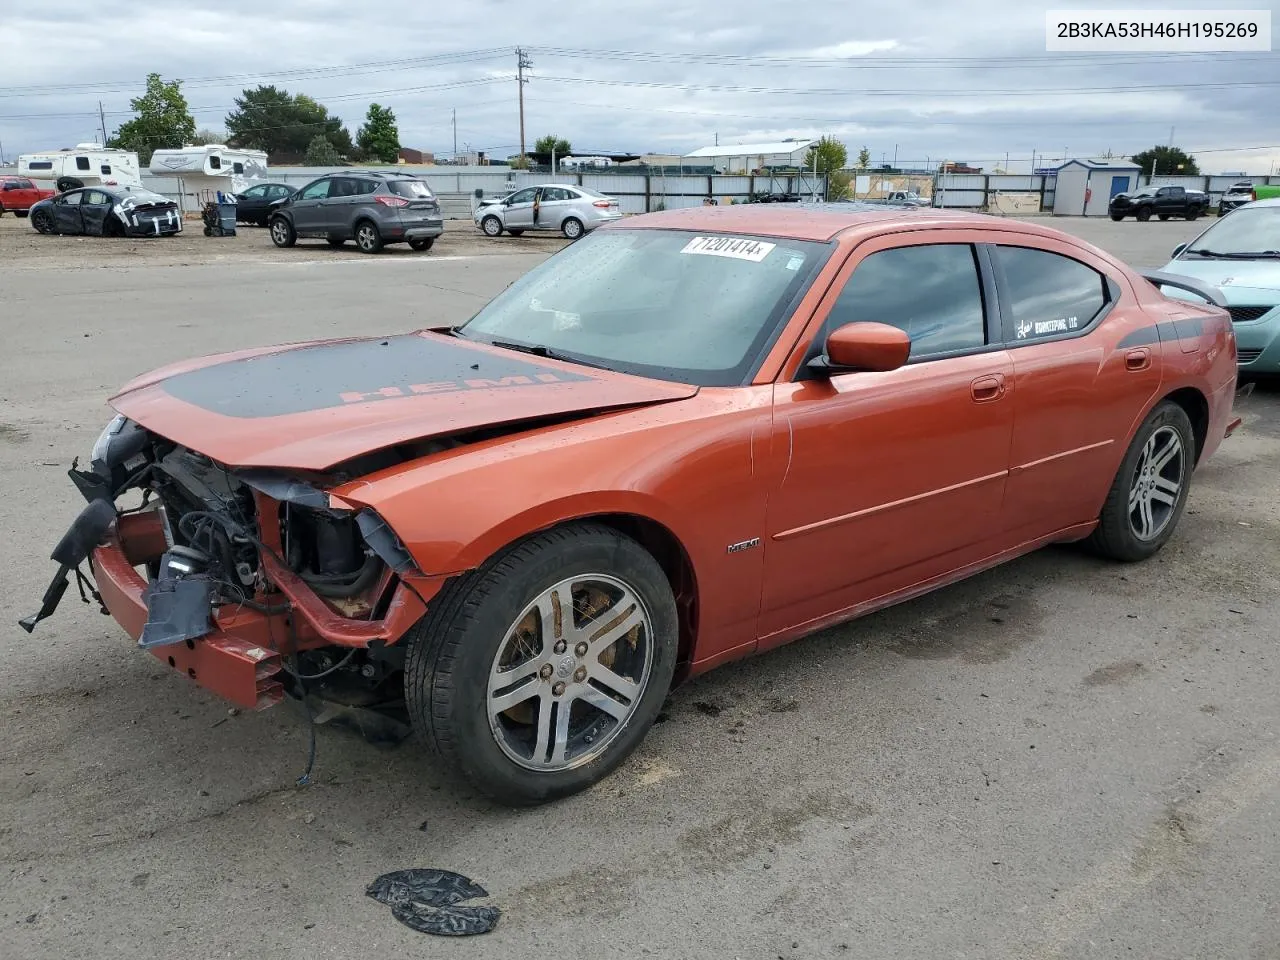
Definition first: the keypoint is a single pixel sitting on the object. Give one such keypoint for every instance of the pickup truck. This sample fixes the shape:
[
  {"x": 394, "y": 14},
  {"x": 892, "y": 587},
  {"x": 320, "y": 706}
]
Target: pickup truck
[
  {"x": 1163, "y": 202},
  {"x": 18, "y": 195}
]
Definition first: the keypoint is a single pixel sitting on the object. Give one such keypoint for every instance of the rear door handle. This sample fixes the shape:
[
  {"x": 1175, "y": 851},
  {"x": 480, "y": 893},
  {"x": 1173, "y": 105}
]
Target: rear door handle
[
  {"x": 986, "y": 389},
  {"x": 1138, "y": 359}
]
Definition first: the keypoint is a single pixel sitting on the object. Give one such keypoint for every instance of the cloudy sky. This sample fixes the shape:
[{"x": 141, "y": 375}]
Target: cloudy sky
[{"x": 965, "y": 80}]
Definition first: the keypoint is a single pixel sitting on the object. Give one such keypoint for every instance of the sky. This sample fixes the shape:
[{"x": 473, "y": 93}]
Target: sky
[{"x": 965, "y": 80}]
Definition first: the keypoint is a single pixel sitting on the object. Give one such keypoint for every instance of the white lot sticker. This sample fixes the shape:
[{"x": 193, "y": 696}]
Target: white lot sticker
[
  {"x": 795, "y": 263},
  {"x": 734, "y": 247}
]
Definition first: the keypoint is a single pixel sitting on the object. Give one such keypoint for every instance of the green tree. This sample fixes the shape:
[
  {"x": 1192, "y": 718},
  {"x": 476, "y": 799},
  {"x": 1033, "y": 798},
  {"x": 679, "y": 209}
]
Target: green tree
[
  {"x": 163, "y": 120},
  {"x": 321, "y": 153},
  {"x": 282, "y": 124},
  {"x": 864, "y": 159},
  {"x": 204, "y": 137},
  {"x": 553, "y": 144},
  {"x": 830, "y": 153},
  {"x": 839, "y": 185},
  {"x": 379, "y": 138},
  {"x": 1168, "y": 161}
]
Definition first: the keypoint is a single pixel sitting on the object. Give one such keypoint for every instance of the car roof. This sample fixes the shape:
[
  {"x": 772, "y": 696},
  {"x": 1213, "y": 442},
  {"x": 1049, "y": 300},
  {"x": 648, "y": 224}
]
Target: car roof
[
  {"x": 822, "y": 223},
  {"x": 1266, "y": 202}
]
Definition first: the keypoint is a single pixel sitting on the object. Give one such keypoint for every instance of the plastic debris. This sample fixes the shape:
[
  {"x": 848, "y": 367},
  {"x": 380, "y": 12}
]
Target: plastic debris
[{"x": 427, "y": 901}]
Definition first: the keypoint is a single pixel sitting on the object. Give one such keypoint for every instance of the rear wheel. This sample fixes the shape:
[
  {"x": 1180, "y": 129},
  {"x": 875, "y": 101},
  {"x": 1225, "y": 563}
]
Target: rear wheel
[
  {"x": 536, "y": 675},
  {"x": 1193, "y": 213},
  {"x": 1144, "y": 214},
  {"x": 1150, "y": 490},
  {"x": 282, "y": 232},
  {"x": 368, "y": 239},
  {"x": 572, "y": 228},
  {"x": 422, "y": 243},
  {"x": 491, "y": 226}
]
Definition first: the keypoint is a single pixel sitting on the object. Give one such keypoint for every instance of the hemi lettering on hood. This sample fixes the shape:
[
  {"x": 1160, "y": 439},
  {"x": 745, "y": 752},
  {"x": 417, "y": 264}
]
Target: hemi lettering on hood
[{"x": 315, "y": 405}]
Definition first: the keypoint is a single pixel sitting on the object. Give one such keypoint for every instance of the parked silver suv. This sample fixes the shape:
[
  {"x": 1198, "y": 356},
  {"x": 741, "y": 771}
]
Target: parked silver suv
[
  {"x": 372, "y": 208},
  {"x": 566, "y": 208}
]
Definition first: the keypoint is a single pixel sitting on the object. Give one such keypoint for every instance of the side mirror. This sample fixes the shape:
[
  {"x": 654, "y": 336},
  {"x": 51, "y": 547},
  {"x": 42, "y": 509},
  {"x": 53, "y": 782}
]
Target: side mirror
[
  {"x": 1177, "y": 250},
  {"x": 867, "y": 346}
]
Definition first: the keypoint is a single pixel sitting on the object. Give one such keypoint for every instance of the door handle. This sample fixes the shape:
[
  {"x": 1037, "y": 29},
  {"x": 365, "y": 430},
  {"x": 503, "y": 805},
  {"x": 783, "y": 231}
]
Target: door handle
[
  {"x": 986, "y": 389},
  {"x": 1138, "y": 359}
]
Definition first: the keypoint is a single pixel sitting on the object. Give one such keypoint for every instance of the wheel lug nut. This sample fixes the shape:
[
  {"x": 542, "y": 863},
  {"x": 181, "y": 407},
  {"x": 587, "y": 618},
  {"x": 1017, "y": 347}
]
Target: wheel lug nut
[
  {"x": 558, "y": 689},
  {"x": 580, "y": 674},
  {"x": 546, "y": 671},
  {"x": 561, "y": 647},
  {"x": 580, "y": 649}
]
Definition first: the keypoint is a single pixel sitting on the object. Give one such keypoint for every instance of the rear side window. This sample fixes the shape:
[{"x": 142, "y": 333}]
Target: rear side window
[
  {"x": 1049, "y": 295},
  {"x": 366, "y": 187},
  {"x": 409, "y": 188},
  {"x": 82, "y": 163},
  {"x": 932, "y": 292}
]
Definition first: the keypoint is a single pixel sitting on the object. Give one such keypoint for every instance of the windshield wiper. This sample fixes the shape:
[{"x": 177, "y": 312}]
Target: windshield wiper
[
  {"x": 1248, "y": 255},
  {"x": 540, "y": 350}
]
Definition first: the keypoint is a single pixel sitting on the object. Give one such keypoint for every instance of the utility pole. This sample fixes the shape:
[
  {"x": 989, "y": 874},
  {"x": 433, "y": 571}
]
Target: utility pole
[
  {"x": 717, "y": 139},
  {"x": 455, "y": 133},
  {"x": 522, "y": 64},
  {"x": 102, "y": 119}
]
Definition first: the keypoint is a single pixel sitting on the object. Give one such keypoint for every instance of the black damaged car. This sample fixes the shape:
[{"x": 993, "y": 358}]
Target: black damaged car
[{"x": 108, "y": 212}]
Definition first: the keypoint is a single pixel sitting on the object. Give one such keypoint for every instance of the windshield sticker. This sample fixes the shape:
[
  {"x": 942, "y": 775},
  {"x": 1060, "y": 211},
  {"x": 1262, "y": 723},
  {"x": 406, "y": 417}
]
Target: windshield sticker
[
  {"x": 732, "y": 247},
  {"x": 794, "y": 263}
]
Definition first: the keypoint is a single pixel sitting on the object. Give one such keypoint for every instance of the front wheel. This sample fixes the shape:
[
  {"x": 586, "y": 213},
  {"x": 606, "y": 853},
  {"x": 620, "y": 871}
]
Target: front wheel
[
  {"x": 538, "y": 674},
  {"x": 1117, "y": 217},
  {"x": 422, "y": 243},
  {"x": 1164, "y": 216},
  {"x": 572, "y": 228},
  {"x": 42, "y": 221},
  {"x": 491, "y": 226},
  {"x": 1150, "y": 490},
  {"x": 282, "y": 232}
]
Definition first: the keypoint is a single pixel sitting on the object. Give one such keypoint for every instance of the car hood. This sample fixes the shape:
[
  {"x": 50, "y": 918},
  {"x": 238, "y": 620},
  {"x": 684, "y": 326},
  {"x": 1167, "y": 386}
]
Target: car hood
[
  {"x": 311, "y": 406},
  {"x": 1253, "y": 282}
]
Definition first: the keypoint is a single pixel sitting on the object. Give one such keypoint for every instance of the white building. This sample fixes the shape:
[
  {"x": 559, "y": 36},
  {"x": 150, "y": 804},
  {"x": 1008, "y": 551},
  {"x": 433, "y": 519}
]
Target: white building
[
  {"x": 1084, "y": 188},
  {"x": 90, "y": 163},
  {"x": 744, "y": 158}
]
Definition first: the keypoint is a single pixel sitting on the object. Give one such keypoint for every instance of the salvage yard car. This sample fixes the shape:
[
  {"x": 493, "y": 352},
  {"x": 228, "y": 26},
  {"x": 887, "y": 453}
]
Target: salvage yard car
[
  {"x": 108, "y": 212},
  {"x": 692, "y": 436},
  {"x": 559, "y": 207},
  {"x": 18, "y": 195},
  {"x": 372, "y": 208},
  {"x": 1240, "y": 257}
]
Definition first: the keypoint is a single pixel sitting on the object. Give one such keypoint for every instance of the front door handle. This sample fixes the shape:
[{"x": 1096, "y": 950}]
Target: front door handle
[
  {"x": 986, "y": 389},
  {"x": 1138, "y": 359}
]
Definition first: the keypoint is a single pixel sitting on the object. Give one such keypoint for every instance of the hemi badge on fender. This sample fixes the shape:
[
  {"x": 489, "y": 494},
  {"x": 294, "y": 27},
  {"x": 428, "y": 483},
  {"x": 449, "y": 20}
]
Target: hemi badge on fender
[{"x": 744, "y": 545}]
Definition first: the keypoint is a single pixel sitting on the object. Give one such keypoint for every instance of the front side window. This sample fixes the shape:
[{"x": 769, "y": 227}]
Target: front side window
[
  {"x": 1049, "y": 295},
  {"x": 675, "y": 305},
  {"x": 71, "y": 199},
  {"x": 524, "y": 196},
  {"x": 932, "y": 292},
  {"x": 316, "y": 191},
  {"x": 255, "y": 193}
]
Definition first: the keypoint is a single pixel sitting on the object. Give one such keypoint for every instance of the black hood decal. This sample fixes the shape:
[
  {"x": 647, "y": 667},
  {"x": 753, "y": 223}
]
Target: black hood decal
[{"x": 318, "y": 377}]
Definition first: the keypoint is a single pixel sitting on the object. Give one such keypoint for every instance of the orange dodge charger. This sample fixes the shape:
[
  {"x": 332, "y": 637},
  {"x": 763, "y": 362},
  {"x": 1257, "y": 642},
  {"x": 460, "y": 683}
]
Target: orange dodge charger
[{"x": 686, "y": 438}]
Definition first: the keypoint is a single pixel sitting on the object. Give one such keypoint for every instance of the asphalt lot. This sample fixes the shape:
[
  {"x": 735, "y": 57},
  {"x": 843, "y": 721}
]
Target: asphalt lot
[{"x": 1059, "y": 758}]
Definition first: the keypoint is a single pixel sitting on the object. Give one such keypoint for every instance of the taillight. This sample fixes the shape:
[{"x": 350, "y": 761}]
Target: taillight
[
  {"x": 602, "y": 204},
  {"x": 392, "y": 201}
]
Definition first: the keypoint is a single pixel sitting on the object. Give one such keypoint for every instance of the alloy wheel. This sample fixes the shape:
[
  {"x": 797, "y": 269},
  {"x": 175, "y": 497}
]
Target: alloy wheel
[
  {"x": 570, "y": 672},
  {"x": 1157, "y": 483}
]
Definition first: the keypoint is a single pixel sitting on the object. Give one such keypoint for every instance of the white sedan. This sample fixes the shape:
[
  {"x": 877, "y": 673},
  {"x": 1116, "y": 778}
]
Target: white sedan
[{"x": 563, "y": 208}]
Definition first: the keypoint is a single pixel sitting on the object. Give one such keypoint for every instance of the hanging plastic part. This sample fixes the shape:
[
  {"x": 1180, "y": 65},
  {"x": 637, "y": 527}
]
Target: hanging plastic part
[
  {"x": 88, "y": 531},
  {"x": 427, "y": 901}
]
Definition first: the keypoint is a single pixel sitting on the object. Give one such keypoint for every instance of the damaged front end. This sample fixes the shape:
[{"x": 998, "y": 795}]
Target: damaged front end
[{"x": 247, "y": 581}]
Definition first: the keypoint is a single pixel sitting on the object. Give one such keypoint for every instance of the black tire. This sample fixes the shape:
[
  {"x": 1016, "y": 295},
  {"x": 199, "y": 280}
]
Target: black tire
[
  {"x": 1144, "y": 214},
  {"x": 1115, "y": 536},
  {"x": 422, "y": 243},
  {"x": 208, "y": 231},
  {"x": 1193, "y": 213},
  {"x": 491, "y": 226},
  {"x": 1117, "y": 217},
  {"x": 111, "y": 227},
  {"x": 368, "y": 239},
  {"x": 516, "y": 233},
  {"x": 1164, "y": 216},
  {"x": 282, "y": 232},
  {"x": 452, "y": 650},
  {"x": 43, "y": 222},
  {"x": 21, "y": 213},
  {"x": 63, "y": 184},
  {"x": 335, "y": 242},
  {"x": 2, "y": 210},
  {"x": 572, "y": 228}
]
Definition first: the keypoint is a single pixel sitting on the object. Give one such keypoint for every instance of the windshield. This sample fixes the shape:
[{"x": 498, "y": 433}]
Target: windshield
[
  {"x": 1247, "y": 230},
  {"x": 674, "y": 305}
]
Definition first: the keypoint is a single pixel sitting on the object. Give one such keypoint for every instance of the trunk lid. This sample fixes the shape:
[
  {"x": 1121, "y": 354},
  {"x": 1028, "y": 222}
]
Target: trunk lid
[{"x": 312, "y": 406}]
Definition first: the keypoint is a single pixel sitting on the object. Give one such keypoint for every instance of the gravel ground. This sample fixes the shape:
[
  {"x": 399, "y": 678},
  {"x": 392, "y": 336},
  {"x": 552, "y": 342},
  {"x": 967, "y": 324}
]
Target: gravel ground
[{"x": 1058, "y": 758}]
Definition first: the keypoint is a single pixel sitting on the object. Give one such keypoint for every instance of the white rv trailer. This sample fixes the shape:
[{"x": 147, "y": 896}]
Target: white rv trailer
[
  {"x": 207, "y": 170},
  {"x": 90, "y": 163}
]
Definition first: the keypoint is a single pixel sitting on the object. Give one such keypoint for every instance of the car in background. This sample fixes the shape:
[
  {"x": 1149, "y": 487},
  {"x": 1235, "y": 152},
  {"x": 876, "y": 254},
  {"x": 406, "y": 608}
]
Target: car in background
[
  {"x": 117, "y": 211},
  {"x": 561, "y": 207},
  {"x": 255, "y": 204},
  {"x": 1162, "y": 202},
  {"x": 1240, "y": 256},
  {"x": 689, "y": 437},
  {"x": 372, "y": 208},
  {"x": 19, "y": 194},
  {"x": 1236, "y": 195}
]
